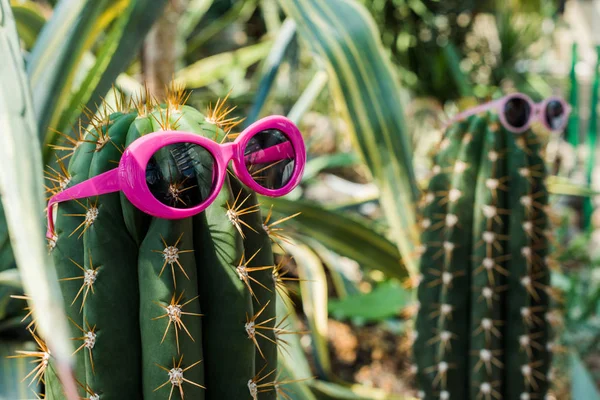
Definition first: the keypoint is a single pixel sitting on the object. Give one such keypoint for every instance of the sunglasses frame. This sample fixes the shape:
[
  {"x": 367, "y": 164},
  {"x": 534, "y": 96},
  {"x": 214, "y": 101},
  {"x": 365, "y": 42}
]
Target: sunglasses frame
[
  {"x": 537, "y": 112},
  {"x": 130, "y": 176}
]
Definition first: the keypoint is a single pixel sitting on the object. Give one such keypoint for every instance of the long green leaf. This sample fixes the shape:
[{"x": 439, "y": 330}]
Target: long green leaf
[
  {"x": 54, "y": 57},
  {"x": 292, "y": 359},
  {"x": 140, "y": 20},
  {"x": 118, "y": 49},
  {"x": 313, "y": 287},
  {"x": 582, "y": 386},
  {"x": 212, "y": 68},
  {"x": 21, "y": 186},
  {"x": 563, "y": 186},
  {"x": 349, "y": 237},
  {"x": 385, "y": 301},
  {"x": 240, "y": 10},
  {"x": 321, "y": 163},
  {"x": 102, "y": 60},
  {"x": 30, "y": 21},
  {"x": 10, "y": 277},
  {"x": 573, "y": 127},
  {"x": 308, "y": 97},
  {"x": 270, "y": 67},
  {"x": 194, "y": 13},
  {"x": 592, "y": 138},
  {"x": 344, "y": 36}
]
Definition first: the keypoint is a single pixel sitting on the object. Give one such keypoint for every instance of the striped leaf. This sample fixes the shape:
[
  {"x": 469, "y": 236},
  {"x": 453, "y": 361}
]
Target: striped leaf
[
  {"x": 113, "y": 56},
  {"x": 23, "y": 196},
  {"x": 57, "y": 52},
  {"x": 29, "y": 19},
  {"x": 347, "y": 236},
  {"x": 366, "y": 92}
]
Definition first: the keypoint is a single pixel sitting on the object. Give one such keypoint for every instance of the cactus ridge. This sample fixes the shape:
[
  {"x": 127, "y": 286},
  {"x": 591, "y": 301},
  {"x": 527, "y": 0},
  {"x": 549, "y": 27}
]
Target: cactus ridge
[
  {"x": 482, "y": 329},
  {"x": 164, "y": 308}
]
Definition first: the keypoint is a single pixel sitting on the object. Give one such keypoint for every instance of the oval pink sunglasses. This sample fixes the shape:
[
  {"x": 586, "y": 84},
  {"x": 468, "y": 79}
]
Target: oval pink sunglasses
[
  {"x": 130, "y": 176},
  {"x": 517, "y": 112}
]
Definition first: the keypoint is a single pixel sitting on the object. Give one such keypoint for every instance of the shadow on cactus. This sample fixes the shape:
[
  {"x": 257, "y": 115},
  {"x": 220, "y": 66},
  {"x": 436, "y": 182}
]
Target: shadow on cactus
[
  {"x": 485, "y": 327},
  {"x": 167, "y": 308}
]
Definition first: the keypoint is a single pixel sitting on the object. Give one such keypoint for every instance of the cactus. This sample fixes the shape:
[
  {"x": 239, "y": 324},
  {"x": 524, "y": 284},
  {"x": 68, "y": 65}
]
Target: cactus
[
  {"x": 163, "y": 309},
  {"x": 484, "y": 321}
]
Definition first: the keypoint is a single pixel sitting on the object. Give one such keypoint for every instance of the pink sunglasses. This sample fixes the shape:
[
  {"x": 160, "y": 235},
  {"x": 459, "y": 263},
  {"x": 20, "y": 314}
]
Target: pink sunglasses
[
  {"x": 517, "y": 112},
  {"x": 268, "y": 157}
]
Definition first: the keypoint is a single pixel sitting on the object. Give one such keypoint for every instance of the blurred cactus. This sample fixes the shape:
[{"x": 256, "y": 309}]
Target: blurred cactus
[
  {"x": 163, "y": 308},
  {"x": 485, "y": 323}
]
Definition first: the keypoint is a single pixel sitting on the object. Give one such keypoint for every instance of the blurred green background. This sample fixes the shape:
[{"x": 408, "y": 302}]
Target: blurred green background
[{"x": 370, "y": 84}]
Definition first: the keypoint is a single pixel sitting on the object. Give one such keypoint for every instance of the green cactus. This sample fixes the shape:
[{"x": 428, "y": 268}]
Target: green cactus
[
  {"x": 484, "y": 321},
  {"x": 164, "y": 309}
]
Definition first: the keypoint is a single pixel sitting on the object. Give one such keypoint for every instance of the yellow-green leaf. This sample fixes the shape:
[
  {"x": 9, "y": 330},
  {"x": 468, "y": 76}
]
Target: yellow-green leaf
[
  {"x": 21, "y": 185},
  {"x": 367, "y": 94}
]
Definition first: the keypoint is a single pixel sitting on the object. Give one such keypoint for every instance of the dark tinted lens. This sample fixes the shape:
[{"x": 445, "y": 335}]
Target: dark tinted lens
[
  {"x": 181, "y": 175},
  {"x": 555, "y": 114},
  {"x": 517, "y": 112},
  {"x": 269, "y": 157}
]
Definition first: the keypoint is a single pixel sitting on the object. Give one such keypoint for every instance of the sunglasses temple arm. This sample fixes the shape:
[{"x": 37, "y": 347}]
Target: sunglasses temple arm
[
  {"x": 106, "y": 182},
  {"x": 472, "y": 111},
  {"x": 278, "y": 152}
]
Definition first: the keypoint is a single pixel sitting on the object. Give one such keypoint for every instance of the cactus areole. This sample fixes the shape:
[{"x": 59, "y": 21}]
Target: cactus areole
[
  {"x": 483, "y": 325},
  {"x": 161, "y": 290}
]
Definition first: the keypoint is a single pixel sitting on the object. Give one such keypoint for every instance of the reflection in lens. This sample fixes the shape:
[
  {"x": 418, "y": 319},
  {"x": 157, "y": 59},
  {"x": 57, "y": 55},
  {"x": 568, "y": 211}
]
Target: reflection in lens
[
  {"x": 555, "y": 114},
  {"x": 181, "y": 175},
  {"x": 517, "y": 112},
  {"x": 270, "y": 158}
]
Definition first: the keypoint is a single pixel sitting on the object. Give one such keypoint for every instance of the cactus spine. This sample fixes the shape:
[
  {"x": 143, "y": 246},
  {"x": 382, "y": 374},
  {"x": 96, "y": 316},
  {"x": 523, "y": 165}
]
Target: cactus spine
[
  {"x": 163, "y": 309},
  {"x": 483, "y": 324}
]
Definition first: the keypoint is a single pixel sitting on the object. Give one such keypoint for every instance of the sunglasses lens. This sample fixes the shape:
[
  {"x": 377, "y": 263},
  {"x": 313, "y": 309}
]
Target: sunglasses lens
[
  {"x": 555, "y": 114},
  {"x": 270, "y": 158},
  {"x": 181, "y": 175},
  {"x": 517, "y": 112}
]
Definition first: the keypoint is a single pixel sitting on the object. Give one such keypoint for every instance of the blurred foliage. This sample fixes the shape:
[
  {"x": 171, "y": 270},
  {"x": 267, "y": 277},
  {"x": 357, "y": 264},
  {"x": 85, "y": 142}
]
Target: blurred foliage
[{"x": 479, "y": 45}]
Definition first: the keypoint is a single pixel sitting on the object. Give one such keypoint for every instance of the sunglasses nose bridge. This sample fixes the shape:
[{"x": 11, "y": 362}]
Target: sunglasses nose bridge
[{"x": 229, "y": 151}]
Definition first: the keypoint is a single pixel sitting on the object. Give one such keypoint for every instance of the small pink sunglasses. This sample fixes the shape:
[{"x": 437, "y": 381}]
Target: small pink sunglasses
[
  {"x": 268, "y": 157},
  {"x": 517, "y": 112}
]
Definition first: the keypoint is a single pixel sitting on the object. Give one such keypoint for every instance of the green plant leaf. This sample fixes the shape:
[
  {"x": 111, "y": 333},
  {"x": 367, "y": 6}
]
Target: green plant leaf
[
  {"x": 10, "y": 277},
  {"x": 313, "y": 287},
  {"x": 13, "y": 370},
  {"x": 270, "y": 67},
  {"x": 102, "y": 60},
  {"x": 365, "y": 89},
  {"x": 336, "y": 160},
  {"x": 343, "y": 285},
  {"x": 240, "y": 10},
  {"x": 30, "y": 21},
  {"x": 292, "y": 359},
  {"x": 139, "y": 22},
  {"x": 194, "y": 12},
  {"x": 582, "y": 386},
  {"x": 293, "y": 354},
  {"x": 452, "y": 56},
  {"x": 384, "y": 301},
  {"x": 308, "y": 97},
  {"x": 122, "y": 43},
  {"x": 563, "y": 186},
  {"x": 213, "y": 68},
  {"x": 21, "y": 185},
  {"x": 347, "y": 236},
  {"x": 53, "y": 61}
]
